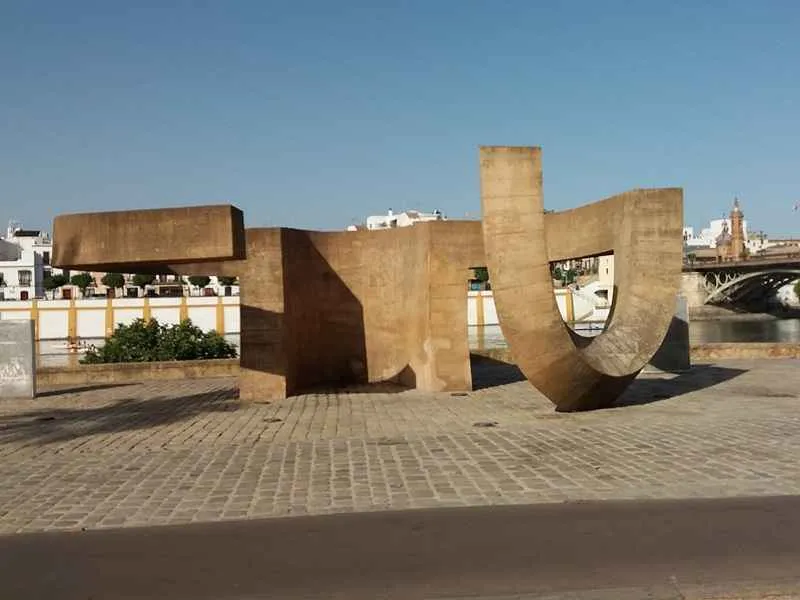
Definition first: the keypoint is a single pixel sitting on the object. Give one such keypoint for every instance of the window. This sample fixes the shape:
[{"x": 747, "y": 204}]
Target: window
[
  {"x": 24, "y": 278},
  {"x": 46, "y": 258}
]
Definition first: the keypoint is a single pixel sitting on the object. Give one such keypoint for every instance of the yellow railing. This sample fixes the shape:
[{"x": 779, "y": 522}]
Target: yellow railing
[{"x": 36, "y": 309}]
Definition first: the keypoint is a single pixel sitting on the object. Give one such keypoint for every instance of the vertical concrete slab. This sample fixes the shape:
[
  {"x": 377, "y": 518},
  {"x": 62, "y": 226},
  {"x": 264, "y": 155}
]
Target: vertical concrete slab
[
  {"x": 674, "y": 355},
  {"x": 17, "y": 359}
]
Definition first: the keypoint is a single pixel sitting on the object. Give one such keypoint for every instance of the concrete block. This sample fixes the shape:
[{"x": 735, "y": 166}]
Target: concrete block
[
  {"x": 17, "y": 359},
  {"x": 149, "y": 241},
  {"x": 673, "y": 356}
]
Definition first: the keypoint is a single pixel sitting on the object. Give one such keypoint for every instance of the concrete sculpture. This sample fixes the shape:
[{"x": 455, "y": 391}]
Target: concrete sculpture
[
  {"x": 641, "y": 227},
  {"x": 322, "y": 308},
  {"x": 317, "y": 308}
]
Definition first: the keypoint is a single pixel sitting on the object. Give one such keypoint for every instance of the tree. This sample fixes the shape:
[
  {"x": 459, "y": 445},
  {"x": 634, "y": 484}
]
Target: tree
[
  {"x": 691, "y": 257},
  {"x": 150, "y": 341},
  {"x": 53, "y": 282},
  {"x": 226, "y": 281},
  {"x": 200, "y": 281},
  {"x": 113, "y": 280},
  {"x": 797, "y": 288},
  {"x": 143, "y": 280},
  {"x": 481, "y": 274},
  {"x": 82, "y": 281}
]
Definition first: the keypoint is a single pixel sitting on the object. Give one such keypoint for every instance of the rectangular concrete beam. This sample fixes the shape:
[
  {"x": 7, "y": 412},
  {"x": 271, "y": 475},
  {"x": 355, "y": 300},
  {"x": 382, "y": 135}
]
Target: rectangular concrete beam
[{"x": 148, "y": 240}]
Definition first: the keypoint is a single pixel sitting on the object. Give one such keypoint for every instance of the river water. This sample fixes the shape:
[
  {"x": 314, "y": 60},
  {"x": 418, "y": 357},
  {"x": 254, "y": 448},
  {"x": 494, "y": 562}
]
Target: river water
[
  {"x": 52, "y": 352},
  {"x": 700, "y": 332}
]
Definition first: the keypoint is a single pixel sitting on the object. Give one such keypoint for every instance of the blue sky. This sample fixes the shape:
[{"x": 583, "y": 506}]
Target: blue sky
[{"x": 317, "y": 113}]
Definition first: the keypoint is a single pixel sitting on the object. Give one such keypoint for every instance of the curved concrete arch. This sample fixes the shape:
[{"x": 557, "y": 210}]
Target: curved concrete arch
[
  {"x": 643, "y": 230},
  {"x": 719, "y": 292}
]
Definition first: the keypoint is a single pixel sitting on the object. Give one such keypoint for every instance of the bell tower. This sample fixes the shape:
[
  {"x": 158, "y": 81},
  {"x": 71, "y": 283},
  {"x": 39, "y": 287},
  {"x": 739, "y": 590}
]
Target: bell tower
[{"x": 738, "y": 250}]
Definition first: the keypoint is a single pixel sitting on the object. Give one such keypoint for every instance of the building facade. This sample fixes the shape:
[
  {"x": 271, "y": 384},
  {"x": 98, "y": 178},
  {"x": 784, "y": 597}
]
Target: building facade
[
  {"x": 393, "y": 220},
  {"x": 24, "y": 263},
  {"x": 731, "y": 232}
]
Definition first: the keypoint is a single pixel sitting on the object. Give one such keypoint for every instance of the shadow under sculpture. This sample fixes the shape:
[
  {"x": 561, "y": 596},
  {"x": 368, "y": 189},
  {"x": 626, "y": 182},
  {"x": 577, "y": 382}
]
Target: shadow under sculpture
[
  {"x": 642, "y": 228},
  {"x": 317, "y": 308}
]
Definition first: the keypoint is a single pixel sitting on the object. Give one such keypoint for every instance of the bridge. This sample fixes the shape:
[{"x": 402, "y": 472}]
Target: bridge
[{"x": 739, "y": 282}]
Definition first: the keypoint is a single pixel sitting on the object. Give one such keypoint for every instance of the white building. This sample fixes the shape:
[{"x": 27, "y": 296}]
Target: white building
[
  {"x": 707, "y": 238},
  {"x": 404, "y": 219},
  {"x": 24, "y": 263}
]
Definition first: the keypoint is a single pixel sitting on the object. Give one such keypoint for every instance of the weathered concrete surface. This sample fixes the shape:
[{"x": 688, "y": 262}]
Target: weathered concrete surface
[
  {"x": 693, "y": 289},
  {"x": 134, "y": 372},
  {"x": 169, "y": 452},
  {"x": 317, "y": 308},
  {"x": 357, "y": 307},
  {"x": 674, "y": 354},
  {"x": 17, "y": 359},
  {"x": 642, "y": 227},
  {"x": 147, "y": 240},
  {"x": 322, "y": 308},
  {"x": 744, "y": 350}
]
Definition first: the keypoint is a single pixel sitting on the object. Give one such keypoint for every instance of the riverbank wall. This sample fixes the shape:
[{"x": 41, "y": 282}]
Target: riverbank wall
[
  {"x": 719, "y": 313},
  {"x": 699, "y": 353},
  {"x": 120, "y": 373}
]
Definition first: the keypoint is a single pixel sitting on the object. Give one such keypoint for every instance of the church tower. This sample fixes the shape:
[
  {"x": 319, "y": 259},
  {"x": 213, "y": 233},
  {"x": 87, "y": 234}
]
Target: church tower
[{"x": 738, "y": 249}]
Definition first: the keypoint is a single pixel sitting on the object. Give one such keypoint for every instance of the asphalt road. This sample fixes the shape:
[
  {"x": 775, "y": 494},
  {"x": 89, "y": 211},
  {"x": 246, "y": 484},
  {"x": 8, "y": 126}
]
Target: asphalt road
[{"x": 618, "y": 550}]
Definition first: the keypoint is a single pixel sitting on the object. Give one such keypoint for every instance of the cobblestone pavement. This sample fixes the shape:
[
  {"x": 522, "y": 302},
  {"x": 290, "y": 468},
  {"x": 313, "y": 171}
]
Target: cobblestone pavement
[{"x": 181, "y": 451}]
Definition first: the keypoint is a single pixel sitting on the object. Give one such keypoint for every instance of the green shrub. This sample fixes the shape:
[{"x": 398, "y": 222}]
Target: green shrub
[{"x": 150, "y": 341}]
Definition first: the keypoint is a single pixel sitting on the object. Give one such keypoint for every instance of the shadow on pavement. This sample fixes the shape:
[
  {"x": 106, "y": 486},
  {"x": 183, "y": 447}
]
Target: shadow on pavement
[
  {"x": 54, "y": 425},
  {"x": 646, "y": 390},
  {"x": 58, "y": 391},
  {"x": 489, "y": 372}
]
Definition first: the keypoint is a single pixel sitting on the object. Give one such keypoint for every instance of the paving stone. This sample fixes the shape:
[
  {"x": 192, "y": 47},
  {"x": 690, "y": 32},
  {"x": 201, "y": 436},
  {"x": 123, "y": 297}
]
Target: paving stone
[{"x": 175, "y": 452}]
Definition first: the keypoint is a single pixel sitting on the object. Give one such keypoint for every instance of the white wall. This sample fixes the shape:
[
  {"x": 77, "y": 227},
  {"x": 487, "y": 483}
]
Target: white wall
[
  {"x": 582, "y": 305},
  {"x": 166, "y": 311},
  {"x": 90, "y": 314}
]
